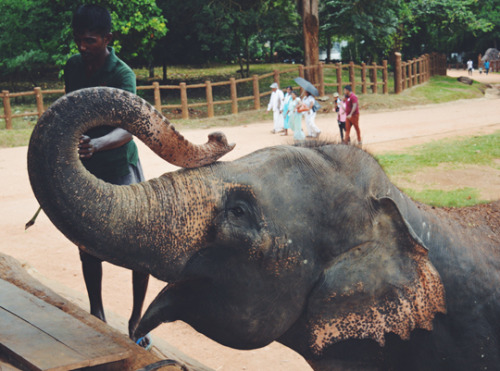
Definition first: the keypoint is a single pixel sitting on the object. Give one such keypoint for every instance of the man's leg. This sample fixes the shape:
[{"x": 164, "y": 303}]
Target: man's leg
[
  {"x": 139, "y": 287},
  {"x": 92, "y": 274},
  {"x": 355, "y": 123},
  {"x": 347, "y": 137}
]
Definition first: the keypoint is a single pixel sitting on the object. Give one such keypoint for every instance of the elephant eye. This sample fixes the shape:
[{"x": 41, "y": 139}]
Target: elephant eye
[{"x": 237, "y": 211}]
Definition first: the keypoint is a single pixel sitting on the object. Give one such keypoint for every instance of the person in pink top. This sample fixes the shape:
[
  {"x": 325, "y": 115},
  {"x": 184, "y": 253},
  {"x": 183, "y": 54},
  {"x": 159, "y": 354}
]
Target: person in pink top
[
  {"x": 352, "y": 111},
  {"x": 341, "y": 114}
]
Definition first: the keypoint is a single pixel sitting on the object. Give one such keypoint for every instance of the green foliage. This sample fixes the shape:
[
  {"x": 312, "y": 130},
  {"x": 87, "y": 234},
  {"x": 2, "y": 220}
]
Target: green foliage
[
  {"x": 377, "y": 28},
  {"x": 37, "y": 33},
  {"x": 368, "y": 25},
  {"x": 30, "y": 35},
  {"x": 216, "y": 31}
]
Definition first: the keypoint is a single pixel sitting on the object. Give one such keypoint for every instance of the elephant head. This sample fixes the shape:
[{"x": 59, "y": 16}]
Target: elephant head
[{"x": 288, "y": 243}]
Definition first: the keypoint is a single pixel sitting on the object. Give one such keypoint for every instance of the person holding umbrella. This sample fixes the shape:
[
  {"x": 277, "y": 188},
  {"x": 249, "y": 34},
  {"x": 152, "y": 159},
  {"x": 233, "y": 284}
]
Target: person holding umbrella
[{"x": 310, "y": 115}]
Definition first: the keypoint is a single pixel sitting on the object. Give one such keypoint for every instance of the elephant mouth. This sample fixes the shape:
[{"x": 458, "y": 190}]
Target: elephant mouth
[{"x": 161, "y": 310}]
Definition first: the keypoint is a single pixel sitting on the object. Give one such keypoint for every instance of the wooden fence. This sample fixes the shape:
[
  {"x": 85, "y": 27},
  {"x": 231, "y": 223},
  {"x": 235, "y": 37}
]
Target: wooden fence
[
  {"x": 417, "y": 70},
  {"x": 363, "y": 77}
]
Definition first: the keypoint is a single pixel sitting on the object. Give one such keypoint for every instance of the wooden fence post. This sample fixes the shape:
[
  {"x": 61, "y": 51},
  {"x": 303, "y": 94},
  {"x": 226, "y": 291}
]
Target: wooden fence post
[
  {"x": 424, "y": 66},
  {"x": 433, "y": 64},
  {"x": 7, "y": 110},
  {"x": 210, "y": 99},
  {"x": 234, "y": 95},
  {"x": 373, "y": 78},
  {"x": 385, "y": 77},
  {"x": 352, "y": 80},
  {"x": 321, "y": 79},
  {"x": 397, "y": 73},
  {"x": 39, "y": 101},
  {"x": 256, "y": 92},
  {"x": 184, "y": 101},
  {"x": 157, "y": 95},
  {"x": 301, "y": 70},
  {"x": 410, "y": 69},
  {"x": 277, "y": 77},
  {"x": 414, "y": 71},
  {"x": 339, "y": 78},
  {"x": 363, "y": 78}
]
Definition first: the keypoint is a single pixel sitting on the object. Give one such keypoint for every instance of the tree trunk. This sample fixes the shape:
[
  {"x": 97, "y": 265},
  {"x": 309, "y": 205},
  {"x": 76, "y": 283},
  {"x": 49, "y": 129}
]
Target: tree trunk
[
  {"x": 247, "y": 52},
  {"x": 164, "y": 67},
  {"x": 328, "y": 49},
  {"x": 151, "y": 68},
  {"x": 271, "y": 51},
  {"x": 310, "y": 23}
]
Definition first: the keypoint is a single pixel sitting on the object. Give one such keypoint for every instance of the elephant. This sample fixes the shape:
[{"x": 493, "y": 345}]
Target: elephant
[{"x": 309, "y": 245}]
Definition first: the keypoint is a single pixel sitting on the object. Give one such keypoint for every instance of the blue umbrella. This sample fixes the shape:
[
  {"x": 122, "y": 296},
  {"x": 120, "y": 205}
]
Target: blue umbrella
[{"x": 307, "y": 86}]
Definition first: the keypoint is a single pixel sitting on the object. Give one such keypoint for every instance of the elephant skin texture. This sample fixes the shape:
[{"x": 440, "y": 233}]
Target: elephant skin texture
[{"x": 309, "y": 245}]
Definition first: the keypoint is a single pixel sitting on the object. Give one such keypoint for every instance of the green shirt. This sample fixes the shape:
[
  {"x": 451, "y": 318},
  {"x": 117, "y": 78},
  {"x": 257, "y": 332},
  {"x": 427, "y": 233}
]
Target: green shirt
[{"x": 113, "y": 163}]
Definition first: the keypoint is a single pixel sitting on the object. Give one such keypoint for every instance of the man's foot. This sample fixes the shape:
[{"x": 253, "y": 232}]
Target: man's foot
[
  {"x": 283, "y": 134},
  {"x": 273, "y": 131}
]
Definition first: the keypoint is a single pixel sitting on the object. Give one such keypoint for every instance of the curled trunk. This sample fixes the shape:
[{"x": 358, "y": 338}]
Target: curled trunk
[{"x": 138, "y": 226}]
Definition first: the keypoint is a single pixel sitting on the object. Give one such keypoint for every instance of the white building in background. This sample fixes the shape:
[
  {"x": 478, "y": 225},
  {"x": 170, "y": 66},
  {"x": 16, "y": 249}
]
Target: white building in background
[{"x": 335, "y": 52}]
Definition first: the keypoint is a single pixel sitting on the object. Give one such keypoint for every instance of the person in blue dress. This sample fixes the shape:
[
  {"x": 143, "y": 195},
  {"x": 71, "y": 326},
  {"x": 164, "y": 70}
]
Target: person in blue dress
[
  {"x": 295, "y": 117},
  {"x": 286, "y": 104}
]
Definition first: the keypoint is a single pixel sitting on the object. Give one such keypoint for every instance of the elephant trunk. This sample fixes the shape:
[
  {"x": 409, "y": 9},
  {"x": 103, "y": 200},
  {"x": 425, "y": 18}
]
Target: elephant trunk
[{"x": 150, "y": 226}]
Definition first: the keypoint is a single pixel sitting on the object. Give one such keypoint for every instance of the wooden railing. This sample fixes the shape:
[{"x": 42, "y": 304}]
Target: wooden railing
[
  {"x": 364, "y": 77},
  {"x": 417, "y": 70}
]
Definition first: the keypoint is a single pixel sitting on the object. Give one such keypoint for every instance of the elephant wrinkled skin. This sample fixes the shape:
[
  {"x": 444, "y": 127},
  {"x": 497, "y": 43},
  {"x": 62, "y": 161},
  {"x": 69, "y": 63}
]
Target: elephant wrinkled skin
[{"x": 311, "y": 246}]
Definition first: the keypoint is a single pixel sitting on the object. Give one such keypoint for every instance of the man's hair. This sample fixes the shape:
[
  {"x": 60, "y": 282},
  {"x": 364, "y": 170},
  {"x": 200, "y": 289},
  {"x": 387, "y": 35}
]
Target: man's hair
[
  {"x": 93, "y": 18},
  {"x": 348, "y": 87}
]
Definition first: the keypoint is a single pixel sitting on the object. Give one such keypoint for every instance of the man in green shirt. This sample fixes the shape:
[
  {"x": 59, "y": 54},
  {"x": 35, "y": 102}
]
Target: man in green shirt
[{"x": 107, "y": 152}]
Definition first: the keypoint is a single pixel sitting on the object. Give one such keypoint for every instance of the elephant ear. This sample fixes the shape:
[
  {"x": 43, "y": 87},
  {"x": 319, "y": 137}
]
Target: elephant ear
[{"x": 384, "y": 285}]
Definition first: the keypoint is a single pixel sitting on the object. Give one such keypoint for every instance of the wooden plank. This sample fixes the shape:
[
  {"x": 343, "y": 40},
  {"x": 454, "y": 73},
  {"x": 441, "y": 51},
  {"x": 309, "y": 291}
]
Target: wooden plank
[
  {"x": 51, "y": 322},
  {"x": 33, "y": 348}
]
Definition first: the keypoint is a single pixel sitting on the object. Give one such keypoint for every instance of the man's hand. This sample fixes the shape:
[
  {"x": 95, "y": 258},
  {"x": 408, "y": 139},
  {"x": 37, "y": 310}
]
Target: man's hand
[
  {"x": 116, "y": 138},
  {"x": 86, "y": 147}
]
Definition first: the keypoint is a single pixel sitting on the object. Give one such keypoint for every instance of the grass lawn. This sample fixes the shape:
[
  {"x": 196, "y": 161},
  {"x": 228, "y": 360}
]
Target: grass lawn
[{"x": 481, "y": 150}]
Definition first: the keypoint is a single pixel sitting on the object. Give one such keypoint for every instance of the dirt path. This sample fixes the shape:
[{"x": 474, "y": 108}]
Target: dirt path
[{"x": 48, "y": 254}]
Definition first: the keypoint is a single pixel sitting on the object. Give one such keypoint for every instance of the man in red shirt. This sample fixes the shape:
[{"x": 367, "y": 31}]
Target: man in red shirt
[{"x": 352, "y": 111}]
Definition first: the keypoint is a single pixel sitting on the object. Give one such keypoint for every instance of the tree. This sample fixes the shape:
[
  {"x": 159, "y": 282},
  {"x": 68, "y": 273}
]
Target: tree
[
  {"x": 36, "y": 34},
  {"x": 369, "y": 26},
  {"x": 310, "y": 26}
]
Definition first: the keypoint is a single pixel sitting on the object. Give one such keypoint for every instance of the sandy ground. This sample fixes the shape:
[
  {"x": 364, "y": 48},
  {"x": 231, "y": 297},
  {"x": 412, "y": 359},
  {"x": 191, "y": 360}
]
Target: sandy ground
[{"x": 54, "y": 260}]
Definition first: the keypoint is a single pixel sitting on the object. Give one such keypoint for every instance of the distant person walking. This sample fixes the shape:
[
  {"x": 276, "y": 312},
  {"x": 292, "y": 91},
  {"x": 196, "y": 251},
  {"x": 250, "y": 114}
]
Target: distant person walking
[
  {"x": 341, "y": 115},
  {"x": 470, "y": 67},
  {"x": 310, "y": 115},
  {"x": 295, "y": 117},
  {"x": 352, "y": 112},
  {"x": 276, "y": 105},
  {"x": 487, "y": 67},
  {"x": 286, "y": 104}
]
